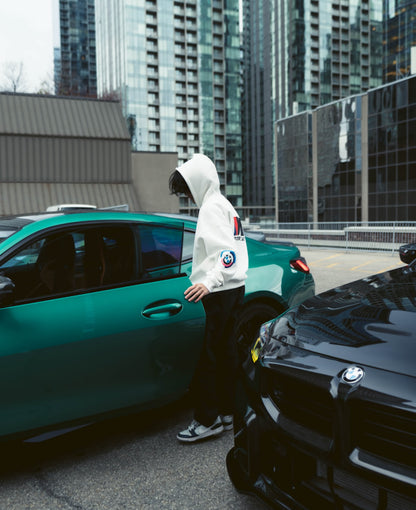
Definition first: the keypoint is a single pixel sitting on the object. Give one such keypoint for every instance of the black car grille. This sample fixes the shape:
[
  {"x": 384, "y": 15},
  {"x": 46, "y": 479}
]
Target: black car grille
[
  {"x": 304, "y": 399},
  {"x": 307, "y": 401},
  {"x": 384, "y": 431},
  {"x": 333, "y": 441}
]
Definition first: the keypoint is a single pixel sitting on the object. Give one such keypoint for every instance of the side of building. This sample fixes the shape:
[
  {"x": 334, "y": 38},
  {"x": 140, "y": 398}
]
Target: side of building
[
  {"x": 355, "y": 159},
  {"x": 399, "y": 28},
  {"x": 69, "y": 150},
  {"x": 175, "y": 66},
  {"x": 299, "y": 56},
  {"x": 77, "y": 62}
]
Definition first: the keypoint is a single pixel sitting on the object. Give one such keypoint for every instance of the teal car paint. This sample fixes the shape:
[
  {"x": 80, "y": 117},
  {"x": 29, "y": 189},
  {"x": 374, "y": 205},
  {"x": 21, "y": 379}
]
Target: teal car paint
[{"x": 120, "y": 335}]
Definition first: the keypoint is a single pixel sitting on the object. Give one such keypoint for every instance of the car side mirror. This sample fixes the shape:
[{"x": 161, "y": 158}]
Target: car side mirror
[
  {"x": 6, "y": 291},
  {"x": 407, "y": 253}
]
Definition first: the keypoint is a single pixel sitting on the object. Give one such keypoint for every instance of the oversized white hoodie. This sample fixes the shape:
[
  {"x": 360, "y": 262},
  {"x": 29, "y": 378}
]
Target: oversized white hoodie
[{"x": 220, "y": 259}]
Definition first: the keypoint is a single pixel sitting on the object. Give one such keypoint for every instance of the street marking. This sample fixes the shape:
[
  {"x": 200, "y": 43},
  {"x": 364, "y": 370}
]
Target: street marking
[
  {"x": 361, "y": 265},
  {"x": 325, "y": 258},
  {"x": 388, "y": 268},
  {"x": 332, "y": 265}
]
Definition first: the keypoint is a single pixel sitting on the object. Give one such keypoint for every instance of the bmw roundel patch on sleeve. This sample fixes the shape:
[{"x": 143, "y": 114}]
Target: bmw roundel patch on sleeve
[{"x": 227, "y": 258}]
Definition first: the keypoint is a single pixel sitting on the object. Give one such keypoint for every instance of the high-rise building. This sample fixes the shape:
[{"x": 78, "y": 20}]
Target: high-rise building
[
  {"x": 400, "y": 37},
  {"x": 78, "y": 74},
  {"x": 300, "y": 54},
  {"x": 351, "y": 160},
  {"x": 57, "y": 71},
  {"x": 176, "y": 67}
]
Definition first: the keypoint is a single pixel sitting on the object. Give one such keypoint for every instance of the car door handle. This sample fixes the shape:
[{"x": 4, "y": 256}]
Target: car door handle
[{"x": 162, "y": 309}]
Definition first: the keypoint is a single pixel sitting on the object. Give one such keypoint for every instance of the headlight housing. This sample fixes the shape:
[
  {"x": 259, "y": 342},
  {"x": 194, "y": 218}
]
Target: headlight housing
[
  {"x": 274, "y": 338},
  {"x": 259, "y": 344}
]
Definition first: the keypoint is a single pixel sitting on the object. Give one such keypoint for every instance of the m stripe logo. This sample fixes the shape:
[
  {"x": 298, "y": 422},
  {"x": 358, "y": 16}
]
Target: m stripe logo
[{"x": 238, "y": 228}]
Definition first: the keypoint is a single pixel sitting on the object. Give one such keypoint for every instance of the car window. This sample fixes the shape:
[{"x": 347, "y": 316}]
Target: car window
[
  {"x": 43, "y": 268},
  {"x": 161, "y": 250},
  {"x": 82, "y": 260},
  {"x": 118, "y": 245},
  {"x": 188, "y": 245}
]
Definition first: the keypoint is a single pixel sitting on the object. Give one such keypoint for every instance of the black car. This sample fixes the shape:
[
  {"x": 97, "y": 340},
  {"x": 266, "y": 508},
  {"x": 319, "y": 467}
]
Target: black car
[{"x": 326, "y": 405}]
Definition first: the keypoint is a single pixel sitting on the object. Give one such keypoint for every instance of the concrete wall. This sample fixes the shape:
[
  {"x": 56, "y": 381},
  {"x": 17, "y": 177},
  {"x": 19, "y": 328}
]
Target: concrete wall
[{"x": 150, "y": 176}]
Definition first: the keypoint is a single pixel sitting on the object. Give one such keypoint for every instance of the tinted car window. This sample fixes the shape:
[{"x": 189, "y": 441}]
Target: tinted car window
[
  {"x": 106, "y": 256},
  {"x": 161, "y": 250},
  {"x": 45, "y": 267},
  {"x": 118, "y": 245},
  {"x": 64, "y": 262},
  {"x": 188, "y": 246}
]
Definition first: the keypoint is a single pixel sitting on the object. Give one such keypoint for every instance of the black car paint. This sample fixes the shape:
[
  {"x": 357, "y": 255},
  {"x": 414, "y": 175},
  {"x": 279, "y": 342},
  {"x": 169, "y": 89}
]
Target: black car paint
[
  {"x": 304, "y": 437},
  {"x": 371, "y": 321}
]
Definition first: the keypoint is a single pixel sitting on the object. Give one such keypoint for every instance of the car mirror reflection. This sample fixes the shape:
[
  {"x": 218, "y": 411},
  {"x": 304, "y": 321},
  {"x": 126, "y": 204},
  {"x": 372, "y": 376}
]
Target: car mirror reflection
[{"x": 6, "y": 291}]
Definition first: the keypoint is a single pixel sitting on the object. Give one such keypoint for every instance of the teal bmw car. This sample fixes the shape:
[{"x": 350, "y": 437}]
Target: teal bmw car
[{"x": 93, "y": 317}]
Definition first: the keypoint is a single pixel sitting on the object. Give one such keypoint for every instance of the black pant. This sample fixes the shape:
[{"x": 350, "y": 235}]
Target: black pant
[{"x": 214, "y": 381}]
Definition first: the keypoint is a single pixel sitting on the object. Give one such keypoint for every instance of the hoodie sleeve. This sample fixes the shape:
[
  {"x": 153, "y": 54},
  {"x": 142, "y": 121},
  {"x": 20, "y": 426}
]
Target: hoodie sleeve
[{"x": 217, "y": 231}]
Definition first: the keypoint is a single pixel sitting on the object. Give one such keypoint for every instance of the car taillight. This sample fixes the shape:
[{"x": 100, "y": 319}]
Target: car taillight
[{"x": 300, "y": 265}]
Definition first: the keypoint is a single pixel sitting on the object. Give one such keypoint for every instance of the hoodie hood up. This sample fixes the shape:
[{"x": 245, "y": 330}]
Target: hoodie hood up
[{"x": 201, "y": 177}]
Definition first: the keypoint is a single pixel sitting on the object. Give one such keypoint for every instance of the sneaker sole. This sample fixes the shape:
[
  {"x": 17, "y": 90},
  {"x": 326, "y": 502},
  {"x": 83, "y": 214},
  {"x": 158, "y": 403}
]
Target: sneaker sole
[{"x": 209, "y": 433}]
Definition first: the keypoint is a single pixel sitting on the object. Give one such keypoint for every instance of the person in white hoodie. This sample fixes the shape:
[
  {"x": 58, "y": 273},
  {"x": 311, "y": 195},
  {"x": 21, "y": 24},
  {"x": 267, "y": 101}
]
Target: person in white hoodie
[{"x": 219, "y": 270}]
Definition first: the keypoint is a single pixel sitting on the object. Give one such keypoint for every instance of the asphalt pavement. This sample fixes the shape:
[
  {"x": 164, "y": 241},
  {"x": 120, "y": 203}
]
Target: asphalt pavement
[
  {"x": 136, "y": 463},
  {"x": 332, "y": 268}
]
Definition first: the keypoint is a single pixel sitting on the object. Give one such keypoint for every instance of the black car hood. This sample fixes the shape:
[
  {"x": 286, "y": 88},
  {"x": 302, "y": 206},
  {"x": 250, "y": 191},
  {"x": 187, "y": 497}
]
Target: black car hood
[{"x": 370, "y": 322}]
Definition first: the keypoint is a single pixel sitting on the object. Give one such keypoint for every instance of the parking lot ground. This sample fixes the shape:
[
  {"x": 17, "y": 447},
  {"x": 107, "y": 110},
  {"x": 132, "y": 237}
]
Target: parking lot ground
[
  {"x": 132, "y": 463},
  {"x": 136, "y": 463},
  {"x": 331, "y": 268}
]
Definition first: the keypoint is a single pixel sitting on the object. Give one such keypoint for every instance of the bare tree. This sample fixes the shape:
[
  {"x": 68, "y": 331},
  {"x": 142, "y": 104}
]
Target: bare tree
[
  {"x": 47, "y": 85},
  {"x": 13, "y": 77},
  {"x": 112, "y": 95}
]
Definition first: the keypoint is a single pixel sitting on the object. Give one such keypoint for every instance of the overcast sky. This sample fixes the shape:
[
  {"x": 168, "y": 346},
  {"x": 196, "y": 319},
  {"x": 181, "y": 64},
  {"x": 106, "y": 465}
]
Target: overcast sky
[{"x": 26, "y": 35}]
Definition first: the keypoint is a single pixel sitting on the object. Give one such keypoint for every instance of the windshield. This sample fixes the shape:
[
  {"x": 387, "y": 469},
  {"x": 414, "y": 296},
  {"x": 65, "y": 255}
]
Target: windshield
[
  {"x": 4, "y": 234},
  {"x": 8, "y": 226}
]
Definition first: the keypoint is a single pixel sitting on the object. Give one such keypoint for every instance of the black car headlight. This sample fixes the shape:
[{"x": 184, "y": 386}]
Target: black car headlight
[{"x": 273, "y": 340}]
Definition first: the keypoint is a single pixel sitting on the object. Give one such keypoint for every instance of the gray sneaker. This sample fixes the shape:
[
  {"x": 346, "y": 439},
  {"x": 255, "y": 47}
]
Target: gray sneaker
[{"x": 196, "y": 431}]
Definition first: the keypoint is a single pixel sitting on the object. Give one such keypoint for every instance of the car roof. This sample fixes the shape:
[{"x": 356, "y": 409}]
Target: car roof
[
  {"x": 30, "y": 223},
  {"x": 75, "y": 215},
  {"x": 9, "y": 225}
]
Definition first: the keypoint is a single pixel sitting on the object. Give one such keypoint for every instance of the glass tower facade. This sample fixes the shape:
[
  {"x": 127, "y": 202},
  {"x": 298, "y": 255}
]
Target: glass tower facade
[
  {"x": 299, "y": 55},
  {"x": 294, "y": 168},
  {"x": 392, "y": 151},
  {"x": 77, "y": 75},
  {"x": 330, "y": 140},
  {"x": 176, "y": 67},
  {"x": 400, "y": 36},
  {"x": 259, "y": 103},
  {"x": 339, "y": 161},
  {"x": 351, "y": 160}
]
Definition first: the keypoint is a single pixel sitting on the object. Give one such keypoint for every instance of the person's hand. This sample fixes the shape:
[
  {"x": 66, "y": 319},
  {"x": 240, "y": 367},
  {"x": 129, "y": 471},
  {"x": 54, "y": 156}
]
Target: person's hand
[{"x": 196, "y": 292}]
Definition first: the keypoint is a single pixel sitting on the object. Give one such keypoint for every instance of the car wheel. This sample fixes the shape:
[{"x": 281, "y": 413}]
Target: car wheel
[
  {"x": 251, "y": 318},
  {"x": 237, "y": 475}
]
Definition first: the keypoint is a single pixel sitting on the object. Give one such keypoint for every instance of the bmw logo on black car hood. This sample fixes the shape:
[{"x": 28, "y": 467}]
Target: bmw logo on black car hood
[{"x": 352, "y": 375}]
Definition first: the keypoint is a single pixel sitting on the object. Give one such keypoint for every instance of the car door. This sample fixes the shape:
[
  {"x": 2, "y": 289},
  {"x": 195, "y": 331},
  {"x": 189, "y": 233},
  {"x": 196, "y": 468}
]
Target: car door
[
  {"x": 125, "y": 339},
  {"x": 177, "y": 344}
]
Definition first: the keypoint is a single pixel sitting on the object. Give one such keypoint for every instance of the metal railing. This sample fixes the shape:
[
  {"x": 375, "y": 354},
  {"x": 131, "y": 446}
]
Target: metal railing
[
  {"x": 385, "y": 236},
  {"x": 370, "y": 236}
]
